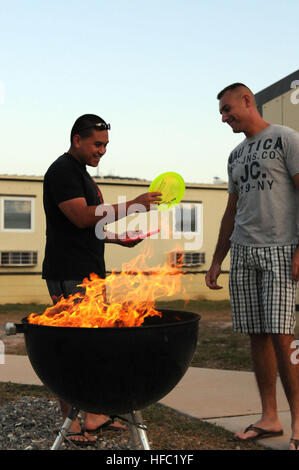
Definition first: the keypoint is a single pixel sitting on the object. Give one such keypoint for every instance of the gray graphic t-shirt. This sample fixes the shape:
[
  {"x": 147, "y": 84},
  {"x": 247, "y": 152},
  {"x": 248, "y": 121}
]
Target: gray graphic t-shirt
[{"x": 260, "y": 171}]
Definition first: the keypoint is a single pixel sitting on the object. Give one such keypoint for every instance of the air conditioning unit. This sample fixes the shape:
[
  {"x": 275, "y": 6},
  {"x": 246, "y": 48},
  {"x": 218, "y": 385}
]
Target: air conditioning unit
[
  {"x": 186, "y": 258},
  {"x": 18, "y": 258}
]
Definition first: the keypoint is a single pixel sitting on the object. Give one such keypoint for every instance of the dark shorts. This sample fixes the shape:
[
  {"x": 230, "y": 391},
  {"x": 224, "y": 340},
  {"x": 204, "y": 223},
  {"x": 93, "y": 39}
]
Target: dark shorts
[{"x": 64, "y": 288}]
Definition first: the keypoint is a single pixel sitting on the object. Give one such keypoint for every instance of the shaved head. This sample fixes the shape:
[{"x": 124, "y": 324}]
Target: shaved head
[{"x": 238, "y": 90}]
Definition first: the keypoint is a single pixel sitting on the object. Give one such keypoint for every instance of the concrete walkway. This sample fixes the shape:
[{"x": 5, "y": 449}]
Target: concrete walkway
[{"x": 228, "y": 399}]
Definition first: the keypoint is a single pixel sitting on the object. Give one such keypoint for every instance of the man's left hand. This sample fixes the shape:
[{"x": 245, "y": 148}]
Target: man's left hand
[{"x": 129, "y": 239}]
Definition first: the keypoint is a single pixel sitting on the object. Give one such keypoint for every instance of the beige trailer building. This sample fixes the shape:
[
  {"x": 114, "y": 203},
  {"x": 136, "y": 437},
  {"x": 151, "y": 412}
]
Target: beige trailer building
[
  {"x": 187, "y": 238},
  {"x": 279, "y": 103}
]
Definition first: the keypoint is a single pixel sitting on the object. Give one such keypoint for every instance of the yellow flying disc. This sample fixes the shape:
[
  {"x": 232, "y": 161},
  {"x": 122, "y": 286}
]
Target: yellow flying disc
[{"x": 172, "y": 187}]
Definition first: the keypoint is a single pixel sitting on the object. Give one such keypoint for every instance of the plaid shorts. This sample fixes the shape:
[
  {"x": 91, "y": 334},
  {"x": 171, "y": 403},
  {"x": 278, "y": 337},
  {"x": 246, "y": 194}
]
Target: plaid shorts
[{"x": 263, "y": 294}]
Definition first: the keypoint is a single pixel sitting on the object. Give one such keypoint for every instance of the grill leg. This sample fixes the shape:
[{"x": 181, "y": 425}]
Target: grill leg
[
  {"x": 138, "y": 430},
  {"x": 65, "y": 427}
]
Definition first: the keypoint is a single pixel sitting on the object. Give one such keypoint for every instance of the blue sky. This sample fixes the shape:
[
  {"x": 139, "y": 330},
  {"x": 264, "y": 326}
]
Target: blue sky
[{"x": 151, "y": 69}]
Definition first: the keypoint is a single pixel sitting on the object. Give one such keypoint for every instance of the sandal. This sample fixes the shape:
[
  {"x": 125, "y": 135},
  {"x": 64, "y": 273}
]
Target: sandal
[
  {"x": 261, "y": 433},
  {"x": 295, "y": 443},
  {"x": 107, "y": 426},
  {"x": 80, "y": 443}
]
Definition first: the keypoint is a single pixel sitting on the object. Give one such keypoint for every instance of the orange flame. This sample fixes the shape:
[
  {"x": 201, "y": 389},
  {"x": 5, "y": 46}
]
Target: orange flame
[{"x": 123, "y": 299}]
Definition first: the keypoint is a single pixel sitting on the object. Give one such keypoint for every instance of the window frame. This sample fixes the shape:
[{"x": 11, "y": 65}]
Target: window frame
[
  {"x": 32, "y": 213},
  {"x": 198, "y": 222}
]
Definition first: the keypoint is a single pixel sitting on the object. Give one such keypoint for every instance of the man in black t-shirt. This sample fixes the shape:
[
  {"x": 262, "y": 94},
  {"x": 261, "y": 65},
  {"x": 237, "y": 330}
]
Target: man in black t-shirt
[{"x": 73, "y": 251}]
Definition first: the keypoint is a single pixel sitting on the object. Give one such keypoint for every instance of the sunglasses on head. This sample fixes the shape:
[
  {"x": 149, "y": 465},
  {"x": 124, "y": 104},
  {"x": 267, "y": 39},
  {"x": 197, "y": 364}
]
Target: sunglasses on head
[{"x": 101, "y": 126}]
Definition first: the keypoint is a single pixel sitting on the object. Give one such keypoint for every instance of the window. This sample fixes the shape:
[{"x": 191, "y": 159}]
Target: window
[
  {"x": 186, "y": 258},
  {"x": 187, "y": 218},
  {"x": 17, "y": 213},
  {"x": 18, "y": 258}
]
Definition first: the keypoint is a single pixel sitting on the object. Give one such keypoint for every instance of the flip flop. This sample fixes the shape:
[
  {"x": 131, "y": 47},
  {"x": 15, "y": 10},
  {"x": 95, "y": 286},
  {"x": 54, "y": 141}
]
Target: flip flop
[
  {"x": 79, "y": 443},
  {"x": 107, "y": 426},
  {"x": 295, "y": 443},
  {"x": 261, "y": 433}
]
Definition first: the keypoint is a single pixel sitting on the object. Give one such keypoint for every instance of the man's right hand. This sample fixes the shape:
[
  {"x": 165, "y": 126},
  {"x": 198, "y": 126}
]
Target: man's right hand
[
  {"x": 212, "y": 276},
  {"x": 147, "y": 200},
  {"x": 83, "y": 216}
]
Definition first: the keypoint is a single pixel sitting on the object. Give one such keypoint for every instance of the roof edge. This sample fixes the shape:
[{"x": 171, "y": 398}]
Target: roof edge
[{"x": 276, "y": 89}]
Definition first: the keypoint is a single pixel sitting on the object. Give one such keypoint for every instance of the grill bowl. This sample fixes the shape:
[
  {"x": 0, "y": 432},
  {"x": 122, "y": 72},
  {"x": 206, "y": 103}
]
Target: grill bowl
[{"x": 113, "y": 370}]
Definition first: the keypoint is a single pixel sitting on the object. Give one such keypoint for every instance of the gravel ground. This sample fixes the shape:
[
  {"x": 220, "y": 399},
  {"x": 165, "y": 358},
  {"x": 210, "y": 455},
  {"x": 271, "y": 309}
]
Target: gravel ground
[{"x": 33, "y": 424}]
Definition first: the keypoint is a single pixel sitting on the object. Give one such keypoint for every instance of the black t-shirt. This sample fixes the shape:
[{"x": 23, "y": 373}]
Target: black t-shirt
[{"x": 71, "y": 252}]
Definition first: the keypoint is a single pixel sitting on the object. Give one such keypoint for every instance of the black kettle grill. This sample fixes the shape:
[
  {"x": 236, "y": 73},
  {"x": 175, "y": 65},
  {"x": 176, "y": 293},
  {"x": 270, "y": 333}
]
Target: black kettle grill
[{"x": 113, "y": 371}]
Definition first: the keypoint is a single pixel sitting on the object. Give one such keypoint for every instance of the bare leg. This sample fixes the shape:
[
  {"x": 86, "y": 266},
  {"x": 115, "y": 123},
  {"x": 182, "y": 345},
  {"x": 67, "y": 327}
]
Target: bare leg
[
  {"x": 289, "y": 374},
  {"x": 65, "y": 408},
  {"x": 265, "y": 368}
]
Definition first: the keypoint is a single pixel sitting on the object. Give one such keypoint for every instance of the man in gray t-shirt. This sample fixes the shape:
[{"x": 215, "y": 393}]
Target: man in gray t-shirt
[
  {"x": 260, "y": 171},
  {"x": 260, "y": 227}
]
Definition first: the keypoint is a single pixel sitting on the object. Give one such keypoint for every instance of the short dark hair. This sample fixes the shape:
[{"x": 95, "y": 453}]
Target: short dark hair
[
  {"x": 85, "y": 125},
  {"x": 229, "y": 87}
]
